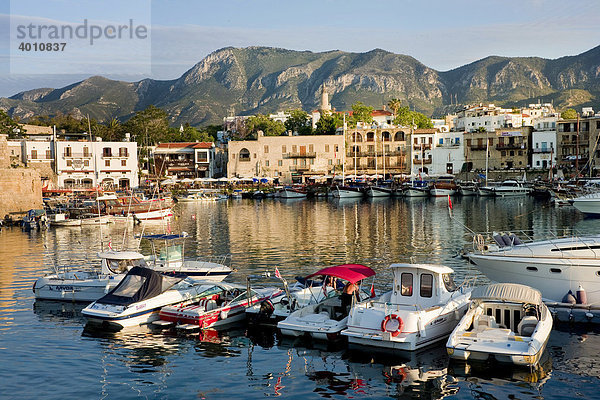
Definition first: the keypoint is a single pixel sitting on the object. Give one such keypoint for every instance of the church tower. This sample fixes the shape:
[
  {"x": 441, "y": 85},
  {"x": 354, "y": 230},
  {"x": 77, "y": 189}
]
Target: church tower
[{"x": 325, "y": 106}]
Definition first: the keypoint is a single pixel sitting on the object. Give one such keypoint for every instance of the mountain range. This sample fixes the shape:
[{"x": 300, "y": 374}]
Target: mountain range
[{"x": 244, "y": 81}]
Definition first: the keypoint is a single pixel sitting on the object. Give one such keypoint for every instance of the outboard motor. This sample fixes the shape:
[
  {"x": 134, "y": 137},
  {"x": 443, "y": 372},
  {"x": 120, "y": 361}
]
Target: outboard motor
[{"x": 266, "y": 308}]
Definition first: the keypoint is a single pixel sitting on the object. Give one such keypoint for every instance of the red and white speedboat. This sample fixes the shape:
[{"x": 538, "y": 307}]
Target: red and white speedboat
[{"x": 221, "y": 304}]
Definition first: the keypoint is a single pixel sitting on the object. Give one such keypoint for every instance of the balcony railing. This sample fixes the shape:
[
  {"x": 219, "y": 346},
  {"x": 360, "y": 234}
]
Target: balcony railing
[
  {"x": 511, "y": 146},
  {"x": 77, "y": 155},
  {"x": 299, "y": 168},
  {"x": 424, "y": 146},
  {"x": 422, "y": 161},
  {"x": 245, "y": 159},
  {"x": 310, "y": 154},
  {"x": 476, "y": 147},
  {"x": 447, "y": 145},
  {"x": 543, "y": 150}
]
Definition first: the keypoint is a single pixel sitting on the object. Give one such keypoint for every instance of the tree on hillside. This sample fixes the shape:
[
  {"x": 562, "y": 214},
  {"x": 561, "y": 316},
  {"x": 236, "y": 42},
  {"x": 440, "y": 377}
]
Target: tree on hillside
[
  {"x": 328, "y": 124},
  {"x": 263, "y": 123},
  {"x": 395, "y": 104},
  {"x": 298, "y": 122},
  {"x": 149, "y": 126},
  {"x": 406, "y": 117},
  {"x": 112, "y": 130},
  {"x": 569, "y": 113},
  {"x": 7, "y": 124},
  {"x": 360, "y": 113}
]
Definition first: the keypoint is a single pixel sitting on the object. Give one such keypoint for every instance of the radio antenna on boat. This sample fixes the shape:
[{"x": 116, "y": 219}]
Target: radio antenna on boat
[{"x": 97, "y": 183}]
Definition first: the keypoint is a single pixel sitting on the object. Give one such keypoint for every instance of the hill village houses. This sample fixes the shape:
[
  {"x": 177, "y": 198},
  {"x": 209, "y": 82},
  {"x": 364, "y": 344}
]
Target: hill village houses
[{"x": 533, "y": 138}]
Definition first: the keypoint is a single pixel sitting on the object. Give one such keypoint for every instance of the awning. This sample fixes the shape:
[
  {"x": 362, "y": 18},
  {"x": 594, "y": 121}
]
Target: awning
[
  {"x": 348, "y": 272},
  {"x": 509, "y": 292}
]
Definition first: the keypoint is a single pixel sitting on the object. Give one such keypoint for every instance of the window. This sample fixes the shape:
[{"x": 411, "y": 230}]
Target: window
[
  {"x": 266, "y": 149},
  {"x": 106, "y": 152},
  {"x": 86, "y": 151},
  {"x": 33, "y": 154},
  {"x": 326, "y": 148},
  {"x": 67, "y": 152},
  {"x": 244, "y": 155},
  {"x": 449, "y": 283},
  {"x": 336, "y": 148},
  {"x": 123, "y": 163},
  {"x": 123, "y": 152},
  {"x": 280, "y": 163},
  {"x": 406, "y": 280},
  {"x": 441, "y": 142},
  {"x": 311, "y": 148},
  {"x": 512, "y": 153},
  {"x": 69, "y": 163},
  {"x": 107, "y": 163},
  {"x": 294, "y": 149},
  {"x": 86, "y": 163},
  {"x": 312, "y": 161},
  {"x": 283, "y": 149},
  {"x": 330, "y": 162},
  {"x": 503, "y": 153},
  {"x": 426, "y": 288},
  {"x": 267, "y": 163}
]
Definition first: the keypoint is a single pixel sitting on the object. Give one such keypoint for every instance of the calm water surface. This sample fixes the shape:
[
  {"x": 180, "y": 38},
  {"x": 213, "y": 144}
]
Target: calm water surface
[{"x": 45, "y": 351}]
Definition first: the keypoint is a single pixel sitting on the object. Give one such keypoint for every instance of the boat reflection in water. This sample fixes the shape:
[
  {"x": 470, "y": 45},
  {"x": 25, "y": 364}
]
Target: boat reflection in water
[{"x": 59, "y": 312}]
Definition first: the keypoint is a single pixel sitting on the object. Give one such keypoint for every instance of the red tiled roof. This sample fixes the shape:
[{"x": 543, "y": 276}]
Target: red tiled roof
[
  {"x": 203, "y": 145},
  {"x": 377, "y": 113},
  {"x": 175, "y": 145}
]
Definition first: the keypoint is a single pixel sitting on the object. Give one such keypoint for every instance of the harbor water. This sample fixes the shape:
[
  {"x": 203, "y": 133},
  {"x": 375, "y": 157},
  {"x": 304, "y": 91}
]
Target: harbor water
[{"x": 45, "y": 350}]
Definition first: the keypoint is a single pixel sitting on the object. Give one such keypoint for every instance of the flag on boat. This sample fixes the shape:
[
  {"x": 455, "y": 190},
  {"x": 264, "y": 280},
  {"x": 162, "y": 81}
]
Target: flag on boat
[
  {"x": 277, "y": 274},
  {"x": 372, "y": 289}
]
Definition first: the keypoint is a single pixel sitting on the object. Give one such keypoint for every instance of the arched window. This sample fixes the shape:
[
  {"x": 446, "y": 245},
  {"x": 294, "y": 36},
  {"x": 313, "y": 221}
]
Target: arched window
[
  {"x": 124, "y": 183},
  {"x": 244, "y": 154},
  {"x": 399, "y": 136},
  {"x": 357, "y": 137},
  {"x": 69, "y": 183},
  {"x": 386, "y": 136},
  {"x": 370, "y": 136}
]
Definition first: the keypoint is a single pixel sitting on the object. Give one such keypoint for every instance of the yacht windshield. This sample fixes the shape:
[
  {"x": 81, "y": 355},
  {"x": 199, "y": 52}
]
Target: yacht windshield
[
  {"x": 449, "y": 282},
  {"x": 120, "y": 266},
  {"x": 129, "y": 286}
]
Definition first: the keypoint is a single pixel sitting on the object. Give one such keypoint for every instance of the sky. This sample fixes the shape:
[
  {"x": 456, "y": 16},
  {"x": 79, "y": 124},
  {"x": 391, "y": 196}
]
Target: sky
[{"x": 441, "y": 34}]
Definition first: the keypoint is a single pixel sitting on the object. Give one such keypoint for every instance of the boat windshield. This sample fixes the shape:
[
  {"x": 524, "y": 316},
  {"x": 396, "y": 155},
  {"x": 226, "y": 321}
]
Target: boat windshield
[
  {"x": 449, "y": 282},
  {"x": 120, "y": 266},
  {"x": 129, "y": 286}
]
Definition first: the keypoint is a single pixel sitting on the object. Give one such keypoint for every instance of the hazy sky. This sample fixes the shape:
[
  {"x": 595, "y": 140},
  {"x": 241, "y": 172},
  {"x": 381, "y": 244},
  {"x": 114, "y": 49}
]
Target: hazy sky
[{"x": 442, "y": 34}]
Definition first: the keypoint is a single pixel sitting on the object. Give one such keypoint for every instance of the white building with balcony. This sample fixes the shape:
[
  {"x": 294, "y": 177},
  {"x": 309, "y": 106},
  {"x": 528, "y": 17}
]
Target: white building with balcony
[
  {"x": 448, "y": 153},
  {"x": 112, "y": 165},
  {"x": 543, "y": 142}
]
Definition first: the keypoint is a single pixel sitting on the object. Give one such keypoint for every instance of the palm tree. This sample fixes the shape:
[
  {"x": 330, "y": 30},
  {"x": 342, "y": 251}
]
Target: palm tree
[
  {"x": 395, "y": 104},
  {"x": 113, "y": 128}
]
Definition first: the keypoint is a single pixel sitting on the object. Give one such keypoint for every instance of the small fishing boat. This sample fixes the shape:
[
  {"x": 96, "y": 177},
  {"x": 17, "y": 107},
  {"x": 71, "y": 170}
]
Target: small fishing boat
[
  {"x": 346, "y": 192},
  {"x": 293, "y": 193},
  {"x": 379, "y": 191},
  {"x": 507, "y": 322},
  {"x": 138, "y": 298},
  {"x": 422, "y": 308},
  {"x": 443, "y": 186},
  {"x": 326, "y": 319},
  {"x": 221, "y": 304}
]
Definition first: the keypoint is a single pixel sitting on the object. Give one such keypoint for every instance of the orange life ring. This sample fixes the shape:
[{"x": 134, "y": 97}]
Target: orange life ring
[{"x": 387, "y": 319}]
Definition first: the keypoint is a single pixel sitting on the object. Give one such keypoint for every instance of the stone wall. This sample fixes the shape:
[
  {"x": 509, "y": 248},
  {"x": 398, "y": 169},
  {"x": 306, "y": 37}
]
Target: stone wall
[{"x": 20, "y": 188}]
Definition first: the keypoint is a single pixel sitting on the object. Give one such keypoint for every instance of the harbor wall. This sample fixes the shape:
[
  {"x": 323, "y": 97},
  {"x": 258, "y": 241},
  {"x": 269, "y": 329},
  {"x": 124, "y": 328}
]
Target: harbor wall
[{"x": 20, "y": 188}]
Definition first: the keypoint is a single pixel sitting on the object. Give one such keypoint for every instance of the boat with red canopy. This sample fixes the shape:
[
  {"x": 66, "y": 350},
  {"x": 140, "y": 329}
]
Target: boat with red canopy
[{"x": 327, "y": 318}]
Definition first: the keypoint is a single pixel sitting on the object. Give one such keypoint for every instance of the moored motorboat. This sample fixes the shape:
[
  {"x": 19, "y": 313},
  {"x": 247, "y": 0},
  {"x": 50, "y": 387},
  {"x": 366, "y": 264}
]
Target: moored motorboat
[
  {"x": 293, "y": 193},
  {"x": 588, "y": 204},
  {"x": 507, "y": 322},
  {"x": 511, "y": 187},
  {"x": 423, "y": 307},
  {"x": 444, "y": 186},
  {"x": 138, "y": 298},
  {"x": 326, "y": 319},
  {"x": 553, "y": 266},
  {"x": 346, "y": 192},
  {"x": 379, "y": 191},
  {"x": 220, "y": 305}
]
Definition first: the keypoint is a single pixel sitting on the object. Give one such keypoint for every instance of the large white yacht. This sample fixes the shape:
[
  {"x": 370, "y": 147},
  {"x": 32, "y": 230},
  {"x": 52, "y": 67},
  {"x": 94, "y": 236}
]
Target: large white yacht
[
  {"x": 588, "y": 204},
  {"x": 511, "y": 187},
  {"x": 553, "y": 266}
]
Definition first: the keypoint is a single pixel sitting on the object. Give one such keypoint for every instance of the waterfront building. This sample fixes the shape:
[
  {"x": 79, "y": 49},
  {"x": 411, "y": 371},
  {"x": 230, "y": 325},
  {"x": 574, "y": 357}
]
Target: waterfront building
[
  {"x": 448, "y": 154},
  {"x": 507, "y": 148},
  {"x": 577, "y": 140},
  {"x": 288, "y": 158},
  {"x": 113, "y": 165},
  {"x": 186, "y": 160},
  {"x": 422, "y": 150},
  {"x": 543, "y": 142},
  {"x": 377, "y": 149}
]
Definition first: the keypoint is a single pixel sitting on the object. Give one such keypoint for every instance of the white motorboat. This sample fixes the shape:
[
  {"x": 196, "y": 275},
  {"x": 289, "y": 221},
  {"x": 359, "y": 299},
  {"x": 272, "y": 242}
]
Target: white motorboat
[
  {"x": 304, "y": 292},
  {"x": 467, "y": 189},
  {"x": 221, "y": 304},
  {"x": 417, "y": 189},
  {"x": 511, "y": 187},
  {"x": 379, "y": 191},
  {"x": 138, "y": 298},
  {"x": 507, "y": 322},
  {"x": 293, "y": 193},
  {"x": 346, "y": 192},
  {"x": 553, "y": 266},
  {"x": 160, "y": 214},
  {"x": 422, "y": 308},
  {"x": 326, "y": 319},
  {"x": 87, "y": 285},
  {"x": 444, "y": 186},
  {"x": 588, "y": 204}
]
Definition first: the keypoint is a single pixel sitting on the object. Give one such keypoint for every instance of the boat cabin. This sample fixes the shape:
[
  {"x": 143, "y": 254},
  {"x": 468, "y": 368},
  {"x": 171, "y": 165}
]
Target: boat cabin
[
  {"x": 424, "y": 285},
  {"x": 118, "y": 262}
]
